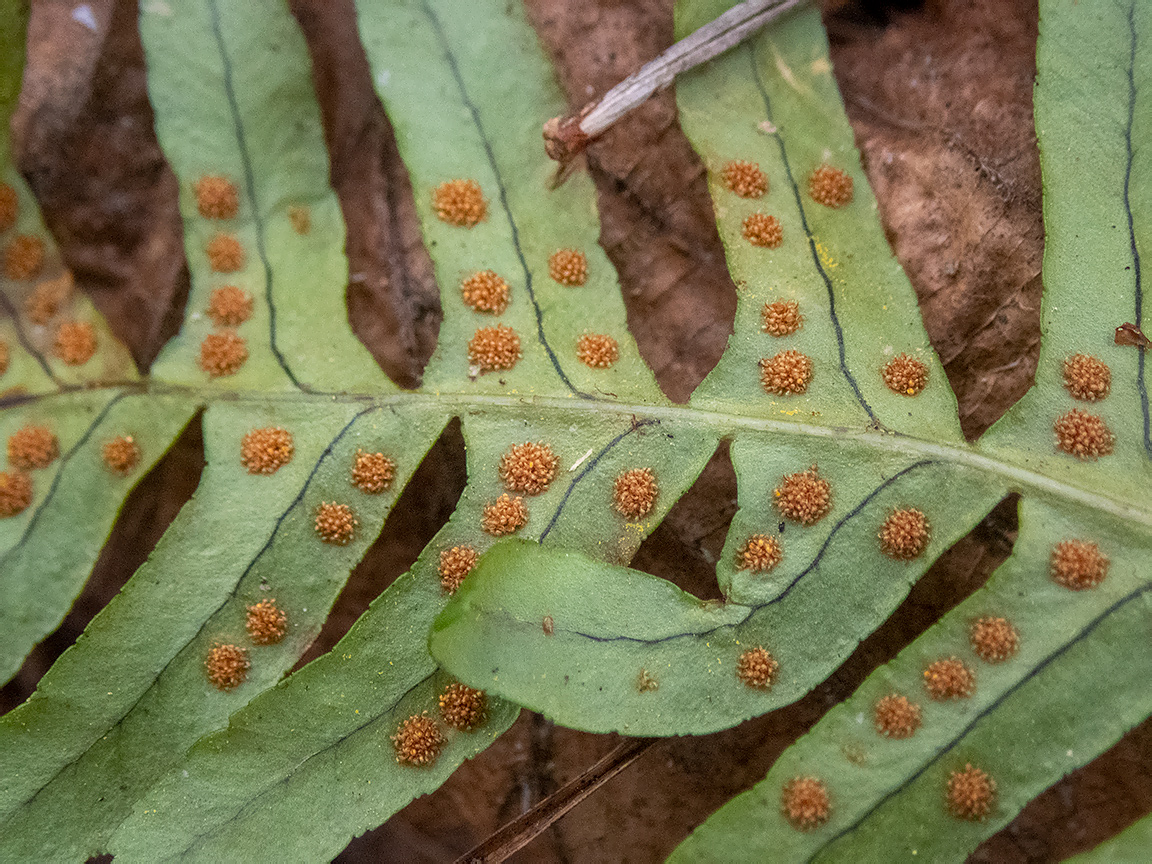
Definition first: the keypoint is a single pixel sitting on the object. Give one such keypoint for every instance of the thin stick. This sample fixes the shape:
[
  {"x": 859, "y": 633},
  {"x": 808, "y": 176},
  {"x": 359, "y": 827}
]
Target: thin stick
[
  {"x": 565, "y": 137},
  {"x": 521, "y": 831}
]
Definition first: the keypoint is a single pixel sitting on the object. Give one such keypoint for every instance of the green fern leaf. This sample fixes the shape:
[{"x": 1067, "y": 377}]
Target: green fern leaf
[
  {"x": 1049, "y": 697},
  {"x": 853, "y": 474}
]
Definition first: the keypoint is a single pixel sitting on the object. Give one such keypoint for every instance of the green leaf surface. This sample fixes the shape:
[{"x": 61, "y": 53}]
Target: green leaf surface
[
  {"x": 76, "y": 493},
  {"x": 774, "y": 102},
  {"x": 610, "y": 623},
  {"x": 221, "y": 555},
  {"x": 1078, "y": 680},
  {"x": 234, "y": 99},
  {"x": 833, "y": 585},
  {"x": 127, "y": 748},
  {"x": 1030, "y": 720},
  {"x": 39, "y": 575},
  {"x": 1093, "y": 108},
  {"x": 156, "y": 719},
  {"x": 492, "y": 89},
  {"x": 29, "y": 342},
  {"x": 309, "y": 764}
]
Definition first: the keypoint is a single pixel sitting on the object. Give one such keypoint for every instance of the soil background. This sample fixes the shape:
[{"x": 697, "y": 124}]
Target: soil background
[{"x": 940, "y": 97}]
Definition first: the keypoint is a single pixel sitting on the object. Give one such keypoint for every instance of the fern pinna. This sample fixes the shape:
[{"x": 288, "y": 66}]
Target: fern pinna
[{"x": 170, "y": 728}]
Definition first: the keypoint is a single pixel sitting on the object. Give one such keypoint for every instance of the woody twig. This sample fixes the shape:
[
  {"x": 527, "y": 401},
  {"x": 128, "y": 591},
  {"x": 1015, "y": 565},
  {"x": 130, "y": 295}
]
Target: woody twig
[{"x": 566, "y": 137}]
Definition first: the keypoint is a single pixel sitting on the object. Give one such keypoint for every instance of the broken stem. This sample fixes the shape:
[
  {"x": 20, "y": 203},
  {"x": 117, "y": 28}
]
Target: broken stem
[
  {"x": 565, "y": 137},
  {"x": 521, "y": 831}
]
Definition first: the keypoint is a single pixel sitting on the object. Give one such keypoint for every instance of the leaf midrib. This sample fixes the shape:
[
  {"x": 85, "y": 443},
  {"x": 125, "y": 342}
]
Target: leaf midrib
[
  {"x": 967, "y": 455},
  {"x": 250, "y": 189}
]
